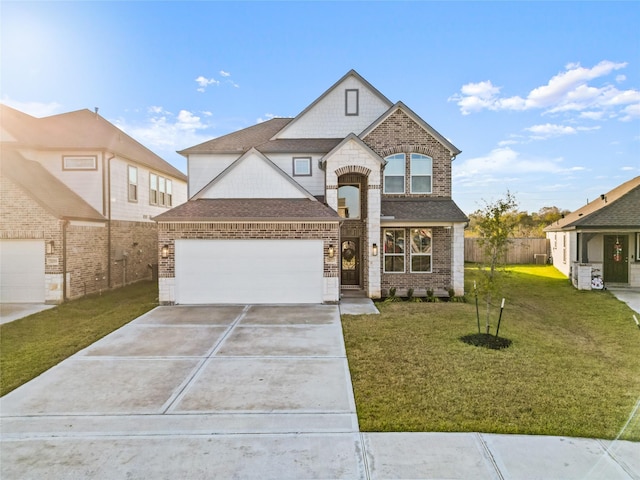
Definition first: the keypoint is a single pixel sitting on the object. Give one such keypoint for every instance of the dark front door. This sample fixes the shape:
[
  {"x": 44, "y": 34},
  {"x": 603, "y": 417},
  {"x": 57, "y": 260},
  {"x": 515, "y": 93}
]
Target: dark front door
[
  {"x": 350, "y": 257},
  {"x": 616, "y": 259}
]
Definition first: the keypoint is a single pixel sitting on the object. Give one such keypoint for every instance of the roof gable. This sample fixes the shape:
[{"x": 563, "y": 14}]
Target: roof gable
[
  {"x": 326, "y": 117},
  {"x": 49, "y": 192},
  {"x": 352, "y": 137},
  {"x": 81, "y": 129},
  {"x": 619, "y": 207},
  {"x": 419, "y": 121},
  {"x": 253, "y": 175}
]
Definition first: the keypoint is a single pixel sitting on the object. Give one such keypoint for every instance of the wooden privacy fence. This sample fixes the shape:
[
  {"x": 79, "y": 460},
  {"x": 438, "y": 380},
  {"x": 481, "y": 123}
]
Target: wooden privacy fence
[{"x": 520, "y": 250}]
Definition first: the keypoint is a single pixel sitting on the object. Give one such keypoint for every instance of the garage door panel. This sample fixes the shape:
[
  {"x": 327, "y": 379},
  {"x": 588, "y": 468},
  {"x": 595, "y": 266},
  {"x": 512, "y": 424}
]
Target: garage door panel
[
  {"x": 22, "y": 277},
  {"x": 249, "y": 271}
]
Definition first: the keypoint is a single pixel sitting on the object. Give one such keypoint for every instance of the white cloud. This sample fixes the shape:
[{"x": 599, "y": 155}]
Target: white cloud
[
  {"x": 35, "y": 109},
  {"x": 549, "y": 130},
  {"x": 164, "y": 133},
  {"x": 204, "y": 82},
  {"x": 267, "y": 116},
  {"x": 621, "y": 78},
  {"x": 224, "y": 74},
  {"x": 565, "y": 92}
]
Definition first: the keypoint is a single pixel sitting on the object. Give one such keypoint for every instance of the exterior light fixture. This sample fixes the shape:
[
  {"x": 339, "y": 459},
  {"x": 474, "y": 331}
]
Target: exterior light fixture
[
  {"x": 49, "y": 247},
  {"x": 331, "y": 251},
  {"x": 164, "y": 251},
  {"x": 374, "y": 249}
]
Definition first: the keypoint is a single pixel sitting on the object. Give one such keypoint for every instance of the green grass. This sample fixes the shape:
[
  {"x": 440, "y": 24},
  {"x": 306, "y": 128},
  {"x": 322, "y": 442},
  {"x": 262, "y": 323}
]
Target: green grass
[
  {"x": 573, "y": 368},
  {"x": 33, "y": 344}
]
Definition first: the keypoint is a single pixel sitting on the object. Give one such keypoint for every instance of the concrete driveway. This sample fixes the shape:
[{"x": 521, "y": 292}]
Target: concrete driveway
[{"x": 249, "y": 392}]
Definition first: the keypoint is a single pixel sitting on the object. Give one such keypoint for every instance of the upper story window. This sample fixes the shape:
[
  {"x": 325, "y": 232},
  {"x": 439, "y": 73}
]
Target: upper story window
[
  {"x": 160, "y": 191},
  {"x": 153, "y": 189},
  {"x": 301, "y": 166},
  {"x": 349, "y": 201},
  {"x": 352, "y": 102},
  {"x": 421, "y": 173},
  {"x": 132, "y": 190},
  {"x": 77, "y": 162},
  {"x": 394, "y": 173}
]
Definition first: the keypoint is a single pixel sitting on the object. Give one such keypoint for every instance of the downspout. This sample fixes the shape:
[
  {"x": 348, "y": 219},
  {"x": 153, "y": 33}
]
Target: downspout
[
  {"x": 109, "y": 220},
  {"x": 65, "y": 224}
]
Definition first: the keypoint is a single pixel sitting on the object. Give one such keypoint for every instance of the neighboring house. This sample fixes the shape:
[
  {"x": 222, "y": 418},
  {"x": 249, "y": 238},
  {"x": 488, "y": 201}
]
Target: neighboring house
[
  {"x": 77, "y": 197},
  {"x": 354, "y": 193},
  {"x": 601, "y": 239}
]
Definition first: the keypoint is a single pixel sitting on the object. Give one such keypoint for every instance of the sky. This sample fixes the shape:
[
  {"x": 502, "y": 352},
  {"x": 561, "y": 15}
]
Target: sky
[{"x": 543, "y": 98}]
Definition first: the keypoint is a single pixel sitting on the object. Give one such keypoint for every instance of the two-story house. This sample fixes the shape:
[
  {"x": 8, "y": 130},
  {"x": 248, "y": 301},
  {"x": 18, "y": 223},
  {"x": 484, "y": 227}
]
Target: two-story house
[
  {"x": 354, "y": 193},
  {"x": 77, "y": 198}
]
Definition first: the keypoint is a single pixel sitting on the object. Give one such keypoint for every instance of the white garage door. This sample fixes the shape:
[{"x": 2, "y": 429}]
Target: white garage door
[
  {"x": 248, "y": 271},
  {"x": 22, "y": 271}
]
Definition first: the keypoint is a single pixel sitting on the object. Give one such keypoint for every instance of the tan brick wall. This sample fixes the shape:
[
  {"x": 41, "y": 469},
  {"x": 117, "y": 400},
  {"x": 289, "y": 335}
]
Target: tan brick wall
[
  {"x": 400, "y": 134},
  {"x": 169, "y": 232},
  {"x": 440, "y": 276},
  {"x": 86, "y": 260},
  {"x": 134, "y": 247}
]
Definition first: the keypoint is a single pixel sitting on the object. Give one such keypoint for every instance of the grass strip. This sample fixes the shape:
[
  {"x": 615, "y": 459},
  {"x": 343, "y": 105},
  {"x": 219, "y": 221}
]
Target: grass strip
[
  {"x": 572, "y": 369},
  {"x": 32, "y": 345}
]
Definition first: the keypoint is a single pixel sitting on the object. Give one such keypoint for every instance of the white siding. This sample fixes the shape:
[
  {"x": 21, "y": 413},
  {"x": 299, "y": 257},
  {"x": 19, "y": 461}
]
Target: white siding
[
  {"x": 253, "y": 177},
  {"x": 140, "y": 211},
  {"x": 314, "y": 184},
  {"x": 204, "y": 168},
  {"x": 327, "y": 118}
]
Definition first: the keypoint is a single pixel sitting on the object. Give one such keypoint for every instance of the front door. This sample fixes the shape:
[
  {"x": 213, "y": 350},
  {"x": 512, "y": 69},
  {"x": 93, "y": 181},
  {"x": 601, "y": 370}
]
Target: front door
[
  {"x": 350, "y": 255},
  {"x": 616, "y": 259}
]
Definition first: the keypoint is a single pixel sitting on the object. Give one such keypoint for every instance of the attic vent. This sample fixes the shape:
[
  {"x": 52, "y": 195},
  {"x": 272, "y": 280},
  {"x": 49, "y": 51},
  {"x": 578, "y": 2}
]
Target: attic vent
[{"x": 351, "y": 102}]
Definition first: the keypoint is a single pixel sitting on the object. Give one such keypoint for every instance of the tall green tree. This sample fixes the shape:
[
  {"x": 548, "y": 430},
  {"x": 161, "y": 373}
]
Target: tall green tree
[{"x": 496, "y": 223}]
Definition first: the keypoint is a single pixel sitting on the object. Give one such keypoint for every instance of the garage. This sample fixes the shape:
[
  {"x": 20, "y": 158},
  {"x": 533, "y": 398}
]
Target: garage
[
  {"x": 22, "y": 271},
  {"x": 248, "y": 271}
]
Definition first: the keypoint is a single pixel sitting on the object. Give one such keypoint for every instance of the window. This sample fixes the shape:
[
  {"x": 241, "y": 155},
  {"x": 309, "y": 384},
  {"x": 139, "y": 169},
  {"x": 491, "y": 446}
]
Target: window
[
  {"x": 301, "y": 166},
  {"x": 169, "y": 197},
  {"x": 394, "y": 250},
  {"x": 421, "y": 169},
  {"x": 349, "y": 201},
  {"x": 133, "y": 184},
  {"x": 161, "y": 190},
  {"x": 351, "y": 102},
  {"x": 421, "y": 250},
  {"x": 74, "y": 162},
  {"x": 394, "y": 174},
  {"x": 637, "y": 247},
  {"x": 153, "y": 189}
]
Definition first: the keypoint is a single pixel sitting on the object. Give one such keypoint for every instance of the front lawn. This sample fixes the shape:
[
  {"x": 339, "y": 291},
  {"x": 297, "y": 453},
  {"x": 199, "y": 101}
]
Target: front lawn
[
  {"x": 33, "y": 344},
  {"x": 573, "y": 368}
]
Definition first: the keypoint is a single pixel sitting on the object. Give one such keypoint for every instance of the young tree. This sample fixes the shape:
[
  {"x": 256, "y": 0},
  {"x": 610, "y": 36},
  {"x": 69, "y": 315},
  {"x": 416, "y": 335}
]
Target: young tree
[{"x": 495, "y": 224}]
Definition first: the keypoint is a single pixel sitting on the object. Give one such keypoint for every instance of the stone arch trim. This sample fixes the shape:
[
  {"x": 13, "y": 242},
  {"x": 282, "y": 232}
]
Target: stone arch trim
[
  {"x": 353, "y": 169},
  {"x": 406, "y": 148}
]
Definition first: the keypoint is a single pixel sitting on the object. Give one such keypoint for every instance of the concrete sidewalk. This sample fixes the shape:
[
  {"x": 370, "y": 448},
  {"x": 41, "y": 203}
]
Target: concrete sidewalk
[{"x": 250, "y": 392}]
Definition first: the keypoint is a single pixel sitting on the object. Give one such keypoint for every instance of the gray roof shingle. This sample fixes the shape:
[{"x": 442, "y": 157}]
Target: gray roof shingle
[
  {"x": 250, "y": 209},
  {"x": 439, "y": 209},
  {"x": 49, "y": 192}
]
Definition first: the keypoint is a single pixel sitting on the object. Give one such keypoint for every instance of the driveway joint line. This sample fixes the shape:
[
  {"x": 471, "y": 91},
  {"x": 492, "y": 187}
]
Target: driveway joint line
[
  {"x": 489, "y": 453},
  {"x": 177, "y": 396}
]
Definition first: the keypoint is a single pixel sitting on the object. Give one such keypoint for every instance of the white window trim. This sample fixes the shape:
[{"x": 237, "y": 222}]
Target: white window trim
[
  {"x": 69, "y": 159},
  {"x": 403, "y": 254},
  {"x": 430, "y": 255},
  {"x": 295, "y": 169},
  {"x": 404, "y": 174},
  {"x": 638, "y": 247},
  {"x": 133, "y": 199},
  {"x": 153, "y": 187},
  {"x": 412, "y": 175}
]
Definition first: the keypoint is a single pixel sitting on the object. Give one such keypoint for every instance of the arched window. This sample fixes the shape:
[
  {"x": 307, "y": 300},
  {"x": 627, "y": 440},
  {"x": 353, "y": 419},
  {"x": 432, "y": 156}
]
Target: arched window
[
  {"x": 394, "y": 173},
  {"x": 421, "y": 173}
]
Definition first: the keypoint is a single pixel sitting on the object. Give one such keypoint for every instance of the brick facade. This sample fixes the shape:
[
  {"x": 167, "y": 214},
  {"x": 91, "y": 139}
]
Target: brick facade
[
  {"x": 400, "y": 134},
  {"x": 86, "y": 260},
  {"x": 169, "y": 232},
  {"x": 134, "y": 251},
  {"x": 440, "y": 278}
]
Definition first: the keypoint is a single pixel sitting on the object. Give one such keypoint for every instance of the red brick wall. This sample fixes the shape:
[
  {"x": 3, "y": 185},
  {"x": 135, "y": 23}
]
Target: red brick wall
[
  {"x": 86, "y": 260},
  {"x": 400, "y": 134},
  {"x": 134, "y": 247},
  {"x": 438, "y": 279},
  {"x": 169, "y": 232}
]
